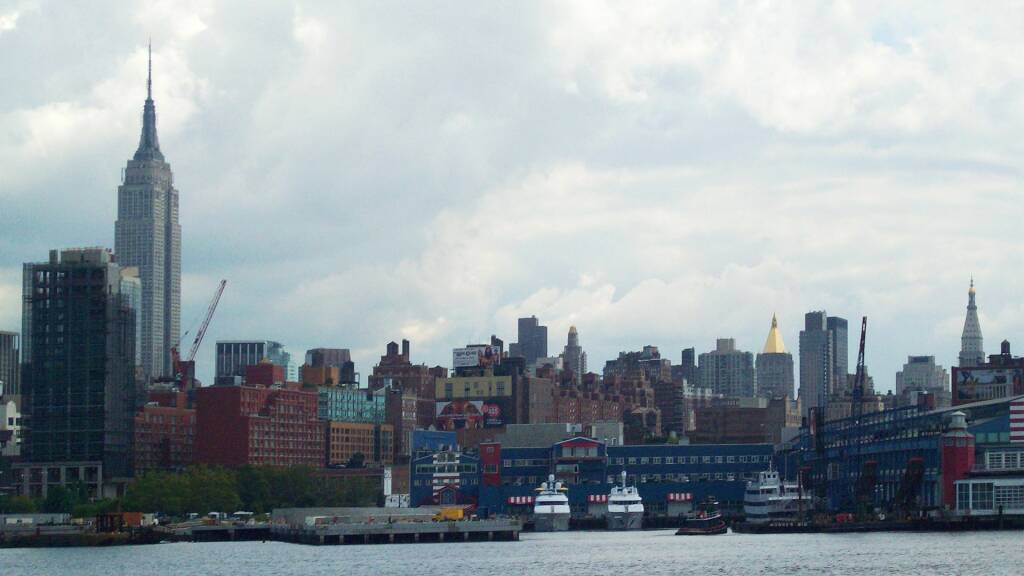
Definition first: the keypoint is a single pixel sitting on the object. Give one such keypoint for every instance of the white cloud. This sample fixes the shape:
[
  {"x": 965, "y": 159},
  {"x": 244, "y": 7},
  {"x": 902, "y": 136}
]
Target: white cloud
[
  {"x": 9, "y": 21},
  {"x": 653, "y": 174}
]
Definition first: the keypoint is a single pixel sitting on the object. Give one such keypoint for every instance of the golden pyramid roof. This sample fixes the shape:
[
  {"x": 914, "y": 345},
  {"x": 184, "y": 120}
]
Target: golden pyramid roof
[{"x": 774, "y": 344}]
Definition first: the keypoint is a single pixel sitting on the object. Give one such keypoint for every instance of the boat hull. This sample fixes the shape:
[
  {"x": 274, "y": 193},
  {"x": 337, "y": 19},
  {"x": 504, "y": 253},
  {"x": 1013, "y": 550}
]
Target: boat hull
[
  {"x": 625, "y": 520},
  {"x": 723, "y": 529},
  {"x": 550, "y": 522},
  {"x": 703, "y": 529}
]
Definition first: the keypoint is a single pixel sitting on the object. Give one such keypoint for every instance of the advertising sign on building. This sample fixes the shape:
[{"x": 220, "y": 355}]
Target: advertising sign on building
[
  {"x": 494, "y": 413},
  {"x": 459, "y": 414},
  {"x": 973, "y": 384},
  {"x": 474, "y": 356}
]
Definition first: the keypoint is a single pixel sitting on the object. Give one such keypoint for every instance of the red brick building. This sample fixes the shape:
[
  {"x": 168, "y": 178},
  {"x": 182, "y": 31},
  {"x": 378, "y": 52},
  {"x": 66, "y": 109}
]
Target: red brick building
[
  {"x": 265, "y": 374},
  {"x": 400, "y": 411},
  {"x": 396, "y": 370},
  {"x": 165, "y": 432},
  {"x": 239, "y": 425}
]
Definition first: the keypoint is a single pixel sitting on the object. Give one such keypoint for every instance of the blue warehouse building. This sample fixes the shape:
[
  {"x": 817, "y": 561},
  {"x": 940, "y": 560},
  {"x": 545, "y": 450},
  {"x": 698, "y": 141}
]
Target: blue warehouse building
[
  {"x": 502, "y": 480},
  {"x": 905, "y": 458}
]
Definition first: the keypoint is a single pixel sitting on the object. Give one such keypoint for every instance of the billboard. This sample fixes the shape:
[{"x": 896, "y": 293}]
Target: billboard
[
  {"x": 494, "y": 413},
  {"x": 473, "y": 356},
  {"x": 459, "y": 414},
  {"x": 972, "y": 384}
]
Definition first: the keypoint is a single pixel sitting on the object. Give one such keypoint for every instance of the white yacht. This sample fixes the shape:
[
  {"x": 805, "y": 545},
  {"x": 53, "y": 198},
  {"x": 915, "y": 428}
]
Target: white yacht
[
  {"x": 551, "y": 507},
  {"x": 625, "y": 507},
  {"x": 770, "y": 499}
]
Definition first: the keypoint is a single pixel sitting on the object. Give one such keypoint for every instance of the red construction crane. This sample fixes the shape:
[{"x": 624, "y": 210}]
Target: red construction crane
[
  {"x": 213, "y": 308},
  {"x": 184, "y": 369}
]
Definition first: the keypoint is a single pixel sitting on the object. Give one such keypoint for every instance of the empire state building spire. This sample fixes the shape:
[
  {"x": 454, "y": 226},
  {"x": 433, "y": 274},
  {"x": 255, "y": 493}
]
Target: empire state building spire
[
  {"x": 972, "y": 351},
  {"x": 147, "y": 236},
  {"x": 149, "y": 144}
]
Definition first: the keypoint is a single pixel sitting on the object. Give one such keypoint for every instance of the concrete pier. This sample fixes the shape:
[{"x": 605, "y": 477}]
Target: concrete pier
[{"x": 502, "y": 529}]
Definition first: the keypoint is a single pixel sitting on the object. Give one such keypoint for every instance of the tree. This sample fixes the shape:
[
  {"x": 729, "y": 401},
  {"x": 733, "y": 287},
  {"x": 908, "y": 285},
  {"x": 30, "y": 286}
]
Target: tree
[
  {"x": 358, "y": 460},
  {"x": 254, "y": 489},
  {"x": 212, "y": 489},
  {"x": 59, "y": 500},
  {"x": 16, "y": 505}
]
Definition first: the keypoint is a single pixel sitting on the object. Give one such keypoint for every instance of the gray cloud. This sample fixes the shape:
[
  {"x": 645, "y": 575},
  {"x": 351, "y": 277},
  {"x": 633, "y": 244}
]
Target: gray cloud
[{"x": 367, "y": 172}]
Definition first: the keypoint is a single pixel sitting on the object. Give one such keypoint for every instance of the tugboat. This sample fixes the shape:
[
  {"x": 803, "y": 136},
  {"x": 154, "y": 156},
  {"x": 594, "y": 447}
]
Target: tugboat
[
  {"x": 551, "y": 508},
  {"x": 625, "y": 507},
  {"x": 769, "y": 499},
  {"x": 705, "y": 521}
]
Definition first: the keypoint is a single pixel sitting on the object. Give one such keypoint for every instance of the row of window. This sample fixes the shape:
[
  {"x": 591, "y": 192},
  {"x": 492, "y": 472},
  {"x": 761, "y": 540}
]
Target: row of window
[
  {"x": 446, "y": 468},
  {"x": 1008, "y": 460},
  {"x": 446, "y": 481},
  {"x": 654, "y": 460},
  {"x": 644, "y": 478}
]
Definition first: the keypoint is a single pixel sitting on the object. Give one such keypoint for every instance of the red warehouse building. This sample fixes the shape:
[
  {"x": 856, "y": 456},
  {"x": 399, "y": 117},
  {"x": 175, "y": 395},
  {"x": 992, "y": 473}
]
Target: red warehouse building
[{"x": 239, "y": 425}]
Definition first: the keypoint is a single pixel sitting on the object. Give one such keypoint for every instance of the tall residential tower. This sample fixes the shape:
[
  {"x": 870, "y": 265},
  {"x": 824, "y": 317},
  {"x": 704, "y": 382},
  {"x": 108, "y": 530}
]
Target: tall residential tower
[{"x": 147, "y": 236}]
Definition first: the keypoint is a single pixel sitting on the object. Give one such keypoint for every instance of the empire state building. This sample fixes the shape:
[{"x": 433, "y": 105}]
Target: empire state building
[{"x": 147, "y": 236}]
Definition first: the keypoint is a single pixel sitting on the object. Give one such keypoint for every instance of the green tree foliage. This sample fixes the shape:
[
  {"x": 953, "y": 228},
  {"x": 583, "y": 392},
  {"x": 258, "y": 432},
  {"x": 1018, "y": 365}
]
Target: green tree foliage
[
  {"x": 16, "y": 505},
  {"x": 256, "y": 489},
  {"x": 92, "y": 509},
  {"x": 212, "y": 490},
  {"x": 59, "y": 499}
]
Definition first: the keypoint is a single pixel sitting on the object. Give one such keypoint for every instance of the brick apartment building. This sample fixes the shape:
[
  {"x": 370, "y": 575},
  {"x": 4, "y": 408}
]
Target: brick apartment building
[
  {"x": 239, "y": 425},
  {"x": 397, "y": 371},
  {"x": 164, "y": 433}
]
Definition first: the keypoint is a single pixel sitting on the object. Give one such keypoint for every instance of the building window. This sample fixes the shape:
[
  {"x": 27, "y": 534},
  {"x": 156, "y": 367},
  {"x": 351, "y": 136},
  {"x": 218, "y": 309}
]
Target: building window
[
  {"x": 670, "y": 460},
  {"x": 1008, "y": 497},
  {"x": 656, "y": 460},
  {"x": 981, "y": 496}
]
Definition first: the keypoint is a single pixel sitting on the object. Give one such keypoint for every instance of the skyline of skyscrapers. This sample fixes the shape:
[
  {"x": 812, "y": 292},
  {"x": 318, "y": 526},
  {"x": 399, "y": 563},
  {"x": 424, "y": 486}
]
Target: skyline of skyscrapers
[{"x": 147, "y": 236}]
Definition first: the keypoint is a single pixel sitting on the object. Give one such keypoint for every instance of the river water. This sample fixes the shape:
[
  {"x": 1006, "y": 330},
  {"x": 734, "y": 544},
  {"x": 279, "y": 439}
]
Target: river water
[{"x": 570, "y": 554}]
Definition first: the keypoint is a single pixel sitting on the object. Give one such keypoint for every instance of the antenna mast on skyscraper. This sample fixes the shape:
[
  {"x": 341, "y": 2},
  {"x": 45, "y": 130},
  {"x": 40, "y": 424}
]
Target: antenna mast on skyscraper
[{"x": 149, "y": 76}]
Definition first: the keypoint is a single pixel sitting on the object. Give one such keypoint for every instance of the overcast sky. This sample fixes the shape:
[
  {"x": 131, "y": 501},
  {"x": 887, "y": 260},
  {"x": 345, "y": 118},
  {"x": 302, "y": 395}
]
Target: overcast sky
[{"x": 653, "y": 173}]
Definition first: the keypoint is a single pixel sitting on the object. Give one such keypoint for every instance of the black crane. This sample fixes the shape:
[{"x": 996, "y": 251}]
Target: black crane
[{"x": 858, "y": 383}]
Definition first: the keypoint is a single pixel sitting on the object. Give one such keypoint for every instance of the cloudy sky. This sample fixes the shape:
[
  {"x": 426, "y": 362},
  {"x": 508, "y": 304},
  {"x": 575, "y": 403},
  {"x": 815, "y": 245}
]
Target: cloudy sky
[{"x": 654, "y": 173}]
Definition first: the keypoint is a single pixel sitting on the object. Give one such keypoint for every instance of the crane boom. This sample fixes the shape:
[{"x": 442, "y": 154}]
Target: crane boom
[
  {"x": 206, "y": 322},
  {"x": 858, "y": 383}
]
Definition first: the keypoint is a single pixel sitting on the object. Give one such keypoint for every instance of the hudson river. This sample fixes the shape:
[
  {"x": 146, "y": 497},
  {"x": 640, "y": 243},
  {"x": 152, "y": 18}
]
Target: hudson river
[{"x": 566, "y": 554}]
